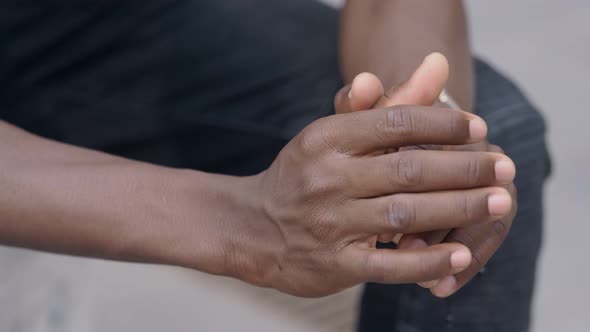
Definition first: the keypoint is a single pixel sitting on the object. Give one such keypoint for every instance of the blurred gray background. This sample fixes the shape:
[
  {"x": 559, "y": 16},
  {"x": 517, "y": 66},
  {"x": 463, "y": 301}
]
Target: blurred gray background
[{"x": 542, "y": 44}]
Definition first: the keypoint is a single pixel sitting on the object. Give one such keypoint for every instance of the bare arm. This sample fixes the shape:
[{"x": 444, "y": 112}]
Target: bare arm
[
  {"x": 295, "y": 227},
  {"x": 61, "y": 198},
  {"x": 390, "y": 38}
]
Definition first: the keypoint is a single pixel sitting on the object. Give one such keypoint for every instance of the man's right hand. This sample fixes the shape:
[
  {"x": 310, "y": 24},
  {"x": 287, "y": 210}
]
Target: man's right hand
[{"x": 327, "y": 196}]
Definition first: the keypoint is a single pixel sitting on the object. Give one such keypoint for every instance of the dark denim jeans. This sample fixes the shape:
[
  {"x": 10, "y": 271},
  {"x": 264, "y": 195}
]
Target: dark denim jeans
[
  {"x": 221, "y": 86},
  {"x": 499, "y": 298}
]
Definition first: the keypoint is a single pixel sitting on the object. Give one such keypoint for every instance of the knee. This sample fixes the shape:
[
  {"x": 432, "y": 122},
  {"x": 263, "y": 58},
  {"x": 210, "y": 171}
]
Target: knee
[
  {"x": 514, "y": 122},
  {"x": 518, "y": 127}
]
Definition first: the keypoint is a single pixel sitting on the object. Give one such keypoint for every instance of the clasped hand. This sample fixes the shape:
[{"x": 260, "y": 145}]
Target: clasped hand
[{"x": 346, "y": 180}]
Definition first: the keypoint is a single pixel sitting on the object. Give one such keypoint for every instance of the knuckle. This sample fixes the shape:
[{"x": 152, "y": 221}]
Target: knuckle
[
  {"x": 474, "y": 171},
  {"x": 375, "y": 267},
  {"x": 500, "y": 229},
  {"x": 316, "y": 138},
  {"x": 458, "y": 126},
  {"x": 315, "y": 221},
  {"x": 400, "y": 121},
  {"x": 422, "y": 266},
  {"x": 429, "y": 267},
  {"x": 315, "y": 182},
  {"x": 477, "y": 253},
  {"x": 407, "y": 170},
  {"x": 478, "y": 257},
  {"x": 401, "y": 215},
  {"x": 306, "y": 142},
  {"x": 465, "y": 204},
  {"x": 309, "y": 180},
  {"x": 463, "y": 237},
  {"x": 378, "y": 269}
]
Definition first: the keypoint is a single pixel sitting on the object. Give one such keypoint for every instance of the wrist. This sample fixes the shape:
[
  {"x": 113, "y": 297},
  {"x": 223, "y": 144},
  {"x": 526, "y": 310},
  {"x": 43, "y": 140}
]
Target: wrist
[{"x": 221, "y": 227}]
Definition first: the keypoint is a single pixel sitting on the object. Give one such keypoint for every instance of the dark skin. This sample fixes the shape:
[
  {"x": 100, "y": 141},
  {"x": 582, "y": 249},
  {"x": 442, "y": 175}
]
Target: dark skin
[
  {"x": 302, "y": 227},
  {"x": 483, "y": 239},
  {"x": 296, "y": 227},
  {"x": 390, "y": 38},
  {"x": 375, "y": 39}
]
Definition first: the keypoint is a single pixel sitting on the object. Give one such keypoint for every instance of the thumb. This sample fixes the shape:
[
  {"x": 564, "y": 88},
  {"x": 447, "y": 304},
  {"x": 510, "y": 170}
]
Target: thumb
[
  {"x": 362, "y": 94},
  {"x": 423, "y": 87}
]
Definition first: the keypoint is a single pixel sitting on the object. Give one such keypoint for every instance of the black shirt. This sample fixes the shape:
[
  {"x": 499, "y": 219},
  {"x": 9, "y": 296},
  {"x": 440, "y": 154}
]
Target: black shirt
[{"x": 128, "y": 76}]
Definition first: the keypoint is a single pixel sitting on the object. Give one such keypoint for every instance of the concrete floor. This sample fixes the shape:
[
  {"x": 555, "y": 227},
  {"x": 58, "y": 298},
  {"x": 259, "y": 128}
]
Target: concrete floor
[{"x": 542, "y": 44}]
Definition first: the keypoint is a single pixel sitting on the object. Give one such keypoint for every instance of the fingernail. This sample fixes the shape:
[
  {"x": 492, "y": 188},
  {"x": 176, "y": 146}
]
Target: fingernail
[
  {"x": 499, "y": 205},
  {"x": 445, "y": 287},
  {"x": 477, "y": 129},
  {"x": 413, "y": 244},
  {"x": 460, "y": 260},
  {"x": 505, "y": 171},
  {"x": 350, "y": 92}
]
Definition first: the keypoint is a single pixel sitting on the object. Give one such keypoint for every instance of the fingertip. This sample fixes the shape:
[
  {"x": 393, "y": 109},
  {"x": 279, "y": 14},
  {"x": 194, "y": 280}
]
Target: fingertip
[
  {"x": 478, "y": 129},
  {"x": 445, "y": 288},
  {"x": 500, "y": 204},
  {"x": 437, "y": 59},
  {"x": 505, "y": 170},
  {"x": 366, "y": 90},
  {"x": 426, "y": 84},
  {"x": 367, "y": 79},
  {"x": 439, "y": 63},
  {"x": 460, "y": 259},
  {"x": 359, "y": 82}
]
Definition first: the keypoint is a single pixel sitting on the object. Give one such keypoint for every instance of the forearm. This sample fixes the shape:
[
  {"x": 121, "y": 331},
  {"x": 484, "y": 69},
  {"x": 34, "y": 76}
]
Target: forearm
[
  {"x": 60, "y": 198},
  {"x": 390, "y": 38}
]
